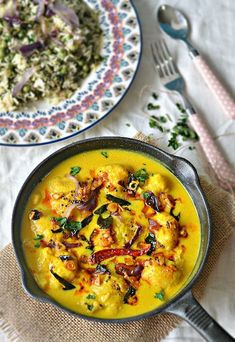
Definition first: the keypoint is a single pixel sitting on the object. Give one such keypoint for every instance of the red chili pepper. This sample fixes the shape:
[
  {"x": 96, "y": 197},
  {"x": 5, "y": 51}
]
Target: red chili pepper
[{"x": 99, "y": 256}]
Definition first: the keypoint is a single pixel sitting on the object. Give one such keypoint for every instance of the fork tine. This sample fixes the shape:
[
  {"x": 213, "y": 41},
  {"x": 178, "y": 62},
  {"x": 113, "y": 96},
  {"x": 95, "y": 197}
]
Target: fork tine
[
  {"x": 163, "y": 59},
  {"x": 157, "y": 62},
  {"x": 172, "y": 65}
]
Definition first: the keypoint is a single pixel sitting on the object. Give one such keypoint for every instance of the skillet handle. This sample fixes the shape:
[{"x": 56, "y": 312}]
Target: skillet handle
[{"x": 188, "y": 308}]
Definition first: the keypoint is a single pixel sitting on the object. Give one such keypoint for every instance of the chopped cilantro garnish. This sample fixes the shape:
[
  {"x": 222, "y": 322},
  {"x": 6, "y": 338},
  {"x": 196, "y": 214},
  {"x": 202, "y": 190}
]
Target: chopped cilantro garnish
[
  {"x": 64, "y": 223},
  {"x": 89, "y": 306},
  {"x": 141, "y": 175},
  {"x": 168, "y": 117},
  {"x": 38, "y": 237},
  {"x": 146, "y": 195},
  {"x": 162, "y": 119},
  {"x": 37, "y": 244},
  {"x": 160, "y": 295},
  {"x": 75, "y": 170},
  {"x": 61, "y": 220},
  {"x": 173, "y": 142},
  {"x": 128, "y": 125},
  {"x": 90, "y": 296},
  {"x": 151, "y": 106},
  {"x": 104, "y": 154},
  {"x": 181, "y": 129},
  {"x": 154, "y": 122},
  {"x": 155, "y": 96},
  {"x": 75, "y": 226},
  {"x": 180, "y": 107}
]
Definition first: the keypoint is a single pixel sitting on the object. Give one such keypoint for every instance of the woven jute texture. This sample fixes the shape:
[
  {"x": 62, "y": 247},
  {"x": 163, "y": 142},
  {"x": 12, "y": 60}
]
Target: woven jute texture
[{"x": 26, "y": 320}]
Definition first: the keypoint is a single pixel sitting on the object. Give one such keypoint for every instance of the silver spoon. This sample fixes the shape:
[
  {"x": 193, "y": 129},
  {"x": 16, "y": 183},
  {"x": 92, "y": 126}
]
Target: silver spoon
[{"x": 175, "y": 24}]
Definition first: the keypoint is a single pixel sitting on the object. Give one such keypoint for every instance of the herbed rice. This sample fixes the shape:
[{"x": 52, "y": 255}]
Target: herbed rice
[{"x": 67, "y": 54}]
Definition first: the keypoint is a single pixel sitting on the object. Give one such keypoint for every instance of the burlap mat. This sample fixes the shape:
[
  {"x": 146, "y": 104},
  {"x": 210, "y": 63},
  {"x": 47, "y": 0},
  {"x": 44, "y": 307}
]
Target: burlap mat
[{"x": 26, "y": 320}]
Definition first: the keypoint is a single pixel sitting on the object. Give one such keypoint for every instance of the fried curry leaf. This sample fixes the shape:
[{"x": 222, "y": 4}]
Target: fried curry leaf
[
  {"x": 101, "y": 209},
  {"x": 105, "y": 223},
  {"x": 37, "y": 244},
  {"x": 130, "y": 293},
  {"x": 75, "y": 170},
  {"x": 160, "y": 295},
  {"x": 177, "y": 217},
  {"x": 104, "y": 154},
  {"x": 59, "y": 230},
  {"x": 117, "y": 200},
  {"x": 65, "y": 283},
  {"x": 142, "y": 175},
  {"x": 86, "y": 221},
  {"x": 152, "y": 241},
  {"x": 35, "y": 215}
]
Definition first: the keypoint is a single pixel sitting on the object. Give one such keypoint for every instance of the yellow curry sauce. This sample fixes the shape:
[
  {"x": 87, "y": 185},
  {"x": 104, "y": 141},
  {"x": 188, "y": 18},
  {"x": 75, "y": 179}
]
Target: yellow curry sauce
[{"x": 111, "y": 234}]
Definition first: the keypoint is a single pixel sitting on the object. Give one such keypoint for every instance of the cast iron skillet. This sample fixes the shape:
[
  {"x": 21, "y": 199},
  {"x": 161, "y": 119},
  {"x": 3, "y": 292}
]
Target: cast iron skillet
[{"x": 183, "y": 304}]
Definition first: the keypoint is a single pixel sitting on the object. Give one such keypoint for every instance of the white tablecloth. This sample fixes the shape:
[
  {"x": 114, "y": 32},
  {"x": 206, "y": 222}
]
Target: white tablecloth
[{"x": 213, "y": 28}]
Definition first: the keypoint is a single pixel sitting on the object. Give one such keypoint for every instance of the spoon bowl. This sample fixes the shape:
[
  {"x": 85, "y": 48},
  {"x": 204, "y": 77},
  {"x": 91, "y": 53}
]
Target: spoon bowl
[{"x": 173, "y": 22}]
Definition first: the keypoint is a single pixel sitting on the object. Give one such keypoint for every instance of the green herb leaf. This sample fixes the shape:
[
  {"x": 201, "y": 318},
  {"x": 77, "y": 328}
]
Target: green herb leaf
[
  {"x": 75, "y": 170},
  {"x": 146, "y": 195},
  {"x": 160, "y": 295},
  {"x": 154, "y": 122},
  {"x": 86, "y": 221},
  {"x": 105, "y": 223},
  {"x": 101, "y": 209},
  {"x": 61, "y": 220},
  {"x": 141, "y": 175},
  {"x": 38, "y": 237},
  {"x": 173, "y": 142},
  {"x": 162, "y": 119},
  {"x": 128, "y": 125},
  {"x": 91, "y": 296},
  {"x": 104, "y": 154},
  {"x": 155, "y": 96},
  {"x": 180, "y": 107},
  {"x": 89, "y": 306},
  {"x": 73, "y": 226},
  {"x": 117, "y": 200},
  {"x": 151, "y": 106},
  {"x": 37, "y": 244}
]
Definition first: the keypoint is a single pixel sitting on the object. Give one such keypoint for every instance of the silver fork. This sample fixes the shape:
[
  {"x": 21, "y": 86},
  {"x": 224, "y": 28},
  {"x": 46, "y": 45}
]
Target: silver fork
[{"x": 173, "y": 81}]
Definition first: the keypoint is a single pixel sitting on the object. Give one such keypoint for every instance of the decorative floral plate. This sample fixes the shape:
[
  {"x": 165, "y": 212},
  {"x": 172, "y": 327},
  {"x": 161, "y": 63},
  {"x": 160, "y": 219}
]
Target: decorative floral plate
[{"x": 100, "y": 92}]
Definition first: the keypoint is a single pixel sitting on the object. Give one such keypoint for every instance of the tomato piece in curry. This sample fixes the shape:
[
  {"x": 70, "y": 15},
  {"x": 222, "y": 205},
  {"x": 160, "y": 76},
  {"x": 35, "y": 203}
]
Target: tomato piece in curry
[{"x": 111, "y": 234}]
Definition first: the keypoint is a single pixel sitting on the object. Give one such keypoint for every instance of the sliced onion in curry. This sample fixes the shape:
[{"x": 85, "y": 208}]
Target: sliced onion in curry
[{"x": 152, "y": 201}]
